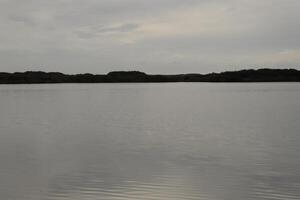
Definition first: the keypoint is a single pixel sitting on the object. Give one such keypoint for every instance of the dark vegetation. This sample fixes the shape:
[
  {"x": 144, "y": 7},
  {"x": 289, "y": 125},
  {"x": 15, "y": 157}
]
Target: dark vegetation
[{"x": 260, "y": 75}]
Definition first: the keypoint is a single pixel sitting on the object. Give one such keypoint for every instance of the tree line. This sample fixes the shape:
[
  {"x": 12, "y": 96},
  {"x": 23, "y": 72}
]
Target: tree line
[{"x": 249, "y": 75}]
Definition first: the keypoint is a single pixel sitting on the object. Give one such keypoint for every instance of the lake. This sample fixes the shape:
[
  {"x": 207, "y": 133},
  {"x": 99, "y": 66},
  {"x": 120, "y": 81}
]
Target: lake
[{"x": 154, "y": 141}]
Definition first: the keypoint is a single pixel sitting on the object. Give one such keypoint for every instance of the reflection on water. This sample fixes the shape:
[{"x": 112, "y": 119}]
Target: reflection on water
[{"x": 150, "y": 141}]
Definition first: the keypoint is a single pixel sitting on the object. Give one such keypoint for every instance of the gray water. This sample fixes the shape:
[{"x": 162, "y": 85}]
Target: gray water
[{"x": 172, "y": 141}]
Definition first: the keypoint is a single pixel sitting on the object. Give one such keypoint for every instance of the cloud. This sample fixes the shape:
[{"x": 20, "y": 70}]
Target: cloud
[
  {"x": 119, "y": 28},
  {"x": 170, "y": 36},
  {"x": 92, "y": 32}
]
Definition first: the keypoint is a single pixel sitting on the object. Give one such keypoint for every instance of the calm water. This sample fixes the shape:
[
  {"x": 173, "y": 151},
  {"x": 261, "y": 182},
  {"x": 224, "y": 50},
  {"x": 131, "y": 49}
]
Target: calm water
[{"x": 173, "y": 141}]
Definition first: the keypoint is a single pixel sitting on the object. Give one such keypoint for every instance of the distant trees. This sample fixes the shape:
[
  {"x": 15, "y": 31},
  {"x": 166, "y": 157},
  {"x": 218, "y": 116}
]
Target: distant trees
[{"x": 260, "y": 75}]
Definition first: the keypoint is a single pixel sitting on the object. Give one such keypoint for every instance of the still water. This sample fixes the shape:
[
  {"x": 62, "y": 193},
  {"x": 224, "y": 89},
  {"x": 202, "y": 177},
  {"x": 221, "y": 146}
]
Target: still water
[{"x": 171, "y": 141}]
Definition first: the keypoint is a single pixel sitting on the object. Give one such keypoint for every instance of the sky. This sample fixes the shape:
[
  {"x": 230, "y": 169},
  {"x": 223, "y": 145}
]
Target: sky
[{"x": 154, "y": 36}]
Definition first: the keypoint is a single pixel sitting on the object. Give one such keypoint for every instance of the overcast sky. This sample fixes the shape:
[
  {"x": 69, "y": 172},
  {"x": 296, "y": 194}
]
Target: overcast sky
[{"x": 155, "y": 36}]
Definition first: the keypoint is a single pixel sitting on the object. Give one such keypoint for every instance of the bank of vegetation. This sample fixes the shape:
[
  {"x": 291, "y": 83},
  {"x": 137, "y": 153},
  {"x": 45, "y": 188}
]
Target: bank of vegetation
[{"x": 250, "y": 75}]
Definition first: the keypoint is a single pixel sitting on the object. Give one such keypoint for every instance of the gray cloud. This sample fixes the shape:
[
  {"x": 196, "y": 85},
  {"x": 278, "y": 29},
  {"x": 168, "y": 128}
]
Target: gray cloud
[
  {"x": 170, "y": 36},
  {"x": 92, "y": 32},
  {"x": 121, "y": 28}
]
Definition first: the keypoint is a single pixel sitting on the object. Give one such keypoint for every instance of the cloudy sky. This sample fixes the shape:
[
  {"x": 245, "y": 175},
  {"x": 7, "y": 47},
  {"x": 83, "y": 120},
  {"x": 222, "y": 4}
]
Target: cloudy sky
[{"x": 155, "y": 36}]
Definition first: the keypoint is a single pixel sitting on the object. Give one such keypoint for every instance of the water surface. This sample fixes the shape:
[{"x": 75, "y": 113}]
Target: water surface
[{"x": 172, "y": 141}]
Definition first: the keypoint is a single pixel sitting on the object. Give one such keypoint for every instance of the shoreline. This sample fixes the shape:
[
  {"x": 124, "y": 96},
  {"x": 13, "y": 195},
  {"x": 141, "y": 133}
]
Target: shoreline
[{"x": 241, "y": 76}]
